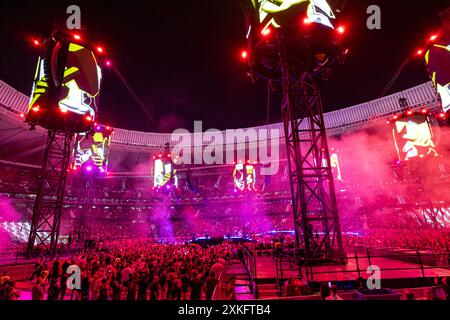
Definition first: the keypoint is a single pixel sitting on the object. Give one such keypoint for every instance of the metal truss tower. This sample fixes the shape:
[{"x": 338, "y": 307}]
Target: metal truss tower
[
  {"x": 48, "y": 205},
  {"x": 85, "y": 200},
  {"x": 316, "y": 217}
]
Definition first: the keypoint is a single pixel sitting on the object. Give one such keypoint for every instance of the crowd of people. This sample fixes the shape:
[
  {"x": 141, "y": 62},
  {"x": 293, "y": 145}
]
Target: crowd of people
[
  {"x": 137, "y": 269},
  {"x": 126, "y": 207},
  {"x": 8, "y": 290}
]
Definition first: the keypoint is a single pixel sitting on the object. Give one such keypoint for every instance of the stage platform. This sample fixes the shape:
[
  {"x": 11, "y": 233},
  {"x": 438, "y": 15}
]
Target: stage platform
[{"x": 394, "y": 267}]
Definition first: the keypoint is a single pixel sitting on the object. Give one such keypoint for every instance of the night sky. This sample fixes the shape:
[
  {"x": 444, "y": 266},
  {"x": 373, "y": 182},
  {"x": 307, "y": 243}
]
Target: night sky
[{"x": 182, "y": 57}]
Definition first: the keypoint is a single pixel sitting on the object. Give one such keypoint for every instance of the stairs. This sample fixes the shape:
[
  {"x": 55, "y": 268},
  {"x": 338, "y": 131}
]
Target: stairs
[
  {"x": 243, "y": 281},
  {"x": 19, "y": 272},
  {"x": 268, "y": 290}
]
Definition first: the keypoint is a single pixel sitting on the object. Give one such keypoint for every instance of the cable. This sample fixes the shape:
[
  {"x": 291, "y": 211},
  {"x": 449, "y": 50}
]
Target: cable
[
  {"x": 136, "y": 98},
  {"x": 395, "y": 77}
]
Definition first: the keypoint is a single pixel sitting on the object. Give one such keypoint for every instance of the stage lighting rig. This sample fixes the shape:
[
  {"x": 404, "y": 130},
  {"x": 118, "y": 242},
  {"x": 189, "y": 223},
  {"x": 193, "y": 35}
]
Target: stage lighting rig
[
  {"x": 305, "y": 41},
  {"x": 64, "y": 100},
  {"x": 307, "y": 29},
  {"x": 67, "y": 83}
]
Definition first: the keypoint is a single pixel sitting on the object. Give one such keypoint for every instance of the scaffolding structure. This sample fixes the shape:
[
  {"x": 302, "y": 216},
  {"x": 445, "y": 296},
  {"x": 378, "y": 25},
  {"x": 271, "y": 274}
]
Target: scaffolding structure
[
  {"x": 316, "y": 218},
  {"x": 49, "y": 201}
]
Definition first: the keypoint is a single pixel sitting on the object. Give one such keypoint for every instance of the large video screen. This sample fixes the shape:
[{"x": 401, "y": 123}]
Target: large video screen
[
  {"x": 336, "y": 166},
  {"x": 318, "y": 11},
  {"x": 239, "y": 177},
  {"x": 244, "y": 177},
  {"x": 40, "y": 92},
  {"x": 91, "y": 150},
  {"x": 81, "y": 84},
  {"x": 413, "y": 137},
  {"x": 437, "y": 60},
  {"x": 69, "y": 85},
  {"x": 164, "y": 174},
  {"x": 250, "y": 177}
]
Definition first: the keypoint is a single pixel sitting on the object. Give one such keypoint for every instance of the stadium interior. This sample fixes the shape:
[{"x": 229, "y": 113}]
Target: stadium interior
[{"x": 90, "y": 211}]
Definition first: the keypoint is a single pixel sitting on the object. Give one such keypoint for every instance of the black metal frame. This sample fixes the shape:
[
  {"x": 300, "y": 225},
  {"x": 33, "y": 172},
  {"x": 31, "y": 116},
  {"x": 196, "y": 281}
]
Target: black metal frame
[
  {"x": 84, "y": 200},
  {"x": 49, "y": 201},
  {"x": 316, "y": 217},
  {"x": 249, "y": 261},
  {"x": 286, "y": 264}
]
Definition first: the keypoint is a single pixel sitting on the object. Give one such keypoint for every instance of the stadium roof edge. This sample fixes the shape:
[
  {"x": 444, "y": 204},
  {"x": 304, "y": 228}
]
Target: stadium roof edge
[{"x": 337, "y": 121}]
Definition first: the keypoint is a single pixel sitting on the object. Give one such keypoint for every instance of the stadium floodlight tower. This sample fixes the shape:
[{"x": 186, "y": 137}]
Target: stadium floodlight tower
[
  {"x": 64, "y": 101},
  {"x": 293, "y": 42}
]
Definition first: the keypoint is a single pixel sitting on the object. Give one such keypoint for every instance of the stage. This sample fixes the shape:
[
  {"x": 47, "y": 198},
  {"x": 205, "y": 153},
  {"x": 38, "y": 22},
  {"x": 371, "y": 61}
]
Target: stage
[{"x": 392, "y": 264}]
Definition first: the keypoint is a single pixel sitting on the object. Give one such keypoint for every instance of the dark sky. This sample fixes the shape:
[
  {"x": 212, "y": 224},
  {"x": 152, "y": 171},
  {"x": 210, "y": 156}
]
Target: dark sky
[{"x": 182, "y": 57}]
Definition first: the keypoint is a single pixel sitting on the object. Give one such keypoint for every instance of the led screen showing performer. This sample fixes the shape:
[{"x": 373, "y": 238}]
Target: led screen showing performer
[
  {"x": 336, "y": 166},
  {"x": 164, "y": 173},
  {"x": 238, "y": 177},
  {"x": 244, "y": 177},
  {"x": 413, "y": 137},
  {"x": 91, "y": 150},
  {"x": 318, "y": 11},
  {"x": 80, "y": 86},
  {"x": 437, "y": 60},
  {"x": 66, "y": 86},
  {"x": 250, "y": 177}
]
